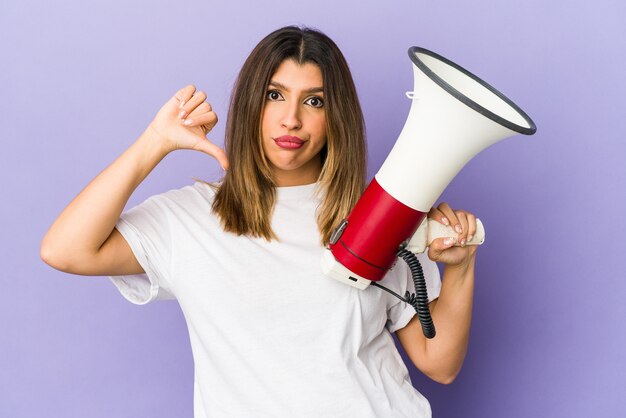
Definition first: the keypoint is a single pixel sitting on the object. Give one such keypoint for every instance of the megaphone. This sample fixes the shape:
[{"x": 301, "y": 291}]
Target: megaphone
[{"x": 454, "y": 115}]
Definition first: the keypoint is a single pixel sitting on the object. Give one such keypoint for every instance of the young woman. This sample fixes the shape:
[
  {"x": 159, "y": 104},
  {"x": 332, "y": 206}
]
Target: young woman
[{"x": 270, "y": 335}]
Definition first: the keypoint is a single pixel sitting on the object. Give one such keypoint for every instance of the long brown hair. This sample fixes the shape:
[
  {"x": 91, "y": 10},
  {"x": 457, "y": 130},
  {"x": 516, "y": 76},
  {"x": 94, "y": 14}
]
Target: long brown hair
[{"x": 245, "y": 199}]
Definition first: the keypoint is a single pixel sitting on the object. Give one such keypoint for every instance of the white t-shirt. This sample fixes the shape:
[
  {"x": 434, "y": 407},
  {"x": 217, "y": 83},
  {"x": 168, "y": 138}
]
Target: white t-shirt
[{"x": 271, "y": 336}]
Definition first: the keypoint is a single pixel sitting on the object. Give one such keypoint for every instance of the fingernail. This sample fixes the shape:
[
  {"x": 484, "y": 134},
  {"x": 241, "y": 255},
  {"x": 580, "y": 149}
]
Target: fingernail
[
  {"x": 182, "y": 103},
  {"x": 188, "y": 122},
  {"x": 448, "y": 241},
  {"x": 463, "y": 242},
  {"x": 458, "y": 228},
  {"x": 181, "y": 114},
  {"x": 445, "y": 221},
  {"x": 469, "y": 237}
]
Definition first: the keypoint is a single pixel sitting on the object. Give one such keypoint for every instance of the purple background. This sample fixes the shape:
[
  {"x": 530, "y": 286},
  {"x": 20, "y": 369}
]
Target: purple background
[{"x": 80, "y": 80}]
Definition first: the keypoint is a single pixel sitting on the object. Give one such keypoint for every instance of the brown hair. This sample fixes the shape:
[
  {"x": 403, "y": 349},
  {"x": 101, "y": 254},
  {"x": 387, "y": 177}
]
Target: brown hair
[{"x": 245, "y": 199}]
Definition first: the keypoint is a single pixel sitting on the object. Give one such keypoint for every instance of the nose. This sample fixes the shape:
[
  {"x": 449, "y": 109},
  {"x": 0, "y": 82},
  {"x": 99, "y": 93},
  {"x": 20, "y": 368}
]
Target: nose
[{"x": 291, "y": 117}]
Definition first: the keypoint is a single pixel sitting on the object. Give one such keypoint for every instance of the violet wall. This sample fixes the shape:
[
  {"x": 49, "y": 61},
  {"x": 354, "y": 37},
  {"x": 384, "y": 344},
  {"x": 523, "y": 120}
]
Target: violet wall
[{"x": 80, "y": 80}]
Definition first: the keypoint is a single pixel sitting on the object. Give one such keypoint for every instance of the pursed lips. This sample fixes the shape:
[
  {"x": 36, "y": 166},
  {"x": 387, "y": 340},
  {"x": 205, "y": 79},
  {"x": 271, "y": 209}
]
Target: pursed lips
[{"x": 289, "y": 142}]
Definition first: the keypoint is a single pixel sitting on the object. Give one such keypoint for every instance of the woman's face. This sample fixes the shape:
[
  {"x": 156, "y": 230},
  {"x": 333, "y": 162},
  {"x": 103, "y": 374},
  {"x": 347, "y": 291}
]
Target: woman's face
[{"x": 293, "y": 123}]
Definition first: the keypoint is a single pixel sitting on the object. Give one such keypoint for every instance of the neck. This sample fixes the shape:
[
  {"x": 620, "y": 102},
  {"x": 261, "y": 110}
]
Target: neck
[{"x": 304, "y": 175}]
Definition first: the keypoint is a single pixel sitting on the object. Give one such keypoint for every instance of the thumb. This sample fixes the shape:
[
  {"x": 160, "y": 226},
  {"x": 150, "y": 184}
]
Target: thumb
[
  {"x": 438, "y": 246},
  {"x": 213, "y": 150}
]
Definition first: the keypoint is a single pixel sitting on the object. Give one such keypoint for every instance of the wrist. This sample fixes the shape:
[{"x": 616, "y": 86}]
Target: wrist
[
  {"x": 153, "y": 139},
  {"x": 465, "y": 266}
]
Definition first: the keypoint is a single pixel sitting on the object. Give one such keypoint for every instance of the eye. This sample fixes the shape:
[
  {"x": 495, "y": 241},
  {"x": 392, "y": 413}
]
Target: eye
[
  {"x": 273, "y": 95},
  {"x": 315, "y": 101}
]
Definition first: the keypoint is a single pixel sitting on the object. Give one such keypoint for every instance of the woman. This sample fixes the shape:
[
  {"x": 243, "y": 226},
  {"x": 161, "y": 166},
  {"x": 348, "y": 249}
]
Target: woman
[{"x": 270, "y": 335}]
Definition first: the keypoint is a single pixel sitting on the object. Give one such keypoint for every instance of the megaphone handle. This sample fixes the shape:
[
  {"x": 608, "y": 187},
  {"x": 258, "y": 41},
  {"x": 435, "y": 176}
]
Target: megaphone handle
[
  {"x": 429, "y": 230},
  {"x": 439, "y": 230}
]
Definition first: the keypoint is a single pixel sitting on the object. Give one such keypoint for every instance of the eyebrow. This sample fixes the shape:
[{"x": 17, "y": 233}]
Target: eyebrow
[{"x": 283, "y": 87}]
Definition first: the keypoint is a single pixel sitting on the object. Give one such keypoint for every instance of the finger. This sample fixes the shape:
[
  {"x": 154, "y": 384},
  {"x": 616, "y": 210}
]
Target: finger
[
  {"x": 462, "y": 217},
  {"x": 449, "y": 213},
  {"x": 206, "y": 120},
  {"x": 437, "y": 215},
  {"x": 203, "y": 107},
  {"x": 174, "y": 101},
  {"x": 471, "y": 225},
  {"x": 184, "y": 94},
  {"x": 189, "y": 106}
]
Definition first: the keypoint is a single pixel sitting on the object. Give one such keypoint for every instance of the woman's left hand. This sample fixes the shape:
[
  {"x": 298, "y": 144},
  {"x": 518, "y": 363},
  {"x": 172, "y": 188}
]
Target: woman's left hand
[{"x": 444, "y": 249}]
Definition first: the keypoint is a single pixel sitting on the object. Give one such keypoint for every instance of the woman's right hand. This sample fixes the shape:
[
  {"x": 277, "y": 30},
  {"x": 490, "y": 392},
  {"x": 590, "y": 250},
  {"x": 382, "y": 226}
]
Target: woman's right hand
[{"x": 184, "y": 121}]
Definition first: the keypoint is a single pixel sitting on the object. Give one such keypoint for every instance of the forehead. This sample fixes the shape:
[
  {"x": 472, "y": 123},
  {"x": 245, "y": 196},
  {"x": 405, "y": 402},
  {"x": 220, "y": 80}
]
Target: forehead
[{"x": 298, "y": 76}]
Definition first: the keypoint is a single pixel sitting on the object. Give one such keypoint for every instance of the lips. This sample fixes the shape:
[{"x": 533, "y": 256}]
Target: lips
[{"x": 289, "y": 142}]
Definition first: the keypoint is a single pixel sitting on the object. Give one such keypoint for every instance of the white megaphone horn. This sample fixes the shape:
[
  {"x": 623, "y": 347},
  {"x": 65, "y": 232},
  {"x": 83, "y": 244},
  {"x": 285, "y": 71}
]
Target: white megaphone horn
[{"x": 454, "y": 115}]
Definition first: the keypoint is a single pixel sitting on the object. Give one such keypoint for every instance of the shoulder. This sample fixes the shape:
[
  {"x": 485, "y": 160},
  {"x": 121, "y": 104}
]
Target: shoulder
[
  {"x": 187, "y": 200},
  {"x": 197, "y": 193}
]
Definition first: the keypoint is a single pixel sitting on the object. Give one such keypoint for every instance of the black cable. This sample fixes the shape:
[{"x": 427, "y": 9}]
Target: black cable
[{"x": 419, "y": 299}]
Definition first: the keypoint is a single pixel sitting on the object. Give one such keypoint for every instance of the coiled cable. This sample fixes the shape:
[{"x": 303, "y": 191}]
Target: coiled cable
[{"x": 419, "y": 299}]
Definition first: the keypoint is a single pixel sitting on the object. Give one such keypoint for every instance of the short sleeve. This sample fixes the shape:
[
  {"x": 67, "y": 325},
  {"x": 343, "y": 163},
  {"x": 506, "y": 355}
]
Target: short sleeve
[
  {"x": 146, "y": 228},
  {"x": 400, "y": 313}
]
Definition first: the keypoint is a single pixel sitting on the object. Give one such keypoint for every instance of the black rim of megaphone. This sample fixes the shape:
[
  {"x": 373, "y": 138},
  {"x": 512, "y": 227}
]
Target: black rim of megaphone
[{"x": 463, "y": 98}]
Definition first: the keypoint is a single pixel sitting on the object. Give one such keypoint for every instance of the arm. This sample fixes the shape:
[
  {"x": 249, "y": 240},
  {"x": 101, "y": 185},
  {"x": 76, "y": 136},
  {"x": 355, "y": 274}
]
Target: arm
[
  {"x": 83, "y": 239},
  {"x": 441, "y": 358}
]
